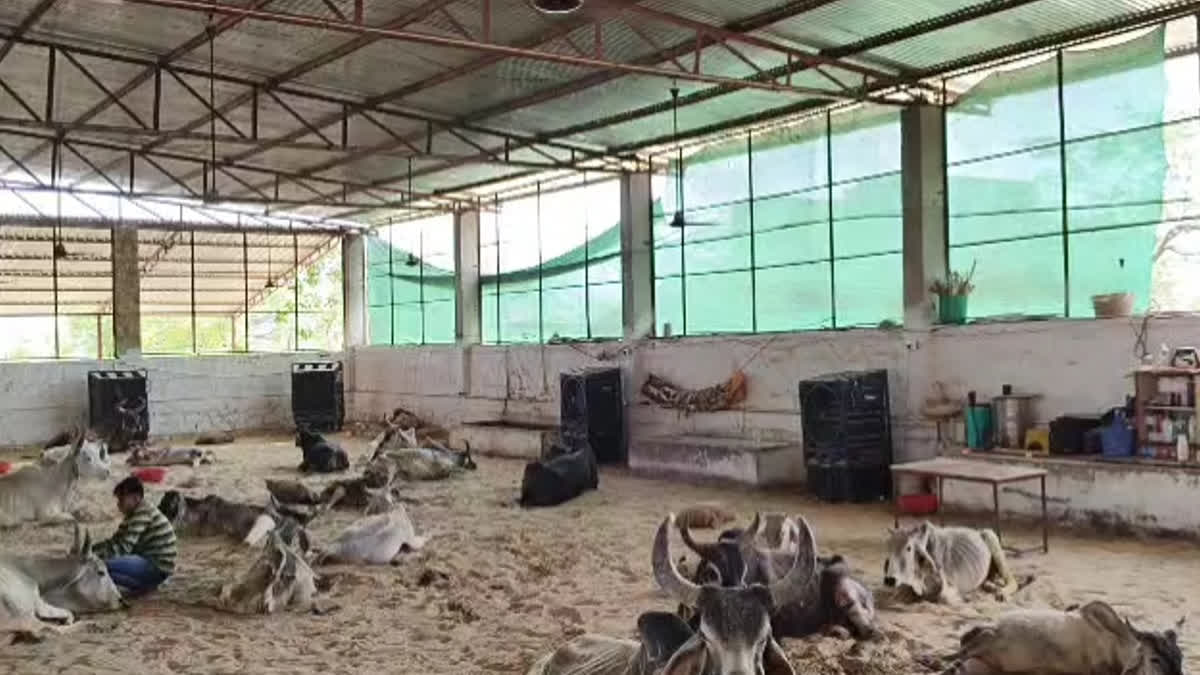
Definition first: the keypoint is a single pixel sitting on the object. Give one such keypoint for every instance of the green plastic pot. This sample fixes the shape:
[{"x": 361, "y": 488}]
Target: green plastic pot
[{"x": 952, "y": 309}]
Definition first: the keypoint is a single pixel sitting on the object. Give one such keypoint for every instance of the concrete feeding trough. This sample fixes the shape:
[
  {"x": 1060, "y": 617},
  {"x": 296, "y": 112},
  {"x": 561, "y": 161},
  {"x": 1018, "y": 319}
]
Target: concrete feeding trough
[
  {"x": 736, "y": 460},
  {"x": 505, "y": 438}
]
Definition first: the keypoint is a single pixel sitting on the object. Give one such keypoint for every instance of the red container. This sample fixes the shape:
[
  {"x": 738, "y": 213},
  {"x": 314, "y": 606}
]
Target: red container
[
  {"x": 918, "y": 505},
  {"x": 5, "y": 467},
  {"x": 151, "y": 474}
]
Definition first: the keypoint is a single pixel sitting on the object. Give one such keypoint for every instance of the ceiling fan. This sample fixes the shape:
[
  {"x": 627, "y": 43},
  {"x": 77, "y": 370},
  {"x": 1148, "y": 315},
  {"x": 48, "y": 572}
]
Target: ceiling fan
[
  {"x": 556, "y": 6},
  {"x": 678, "y": 220}
]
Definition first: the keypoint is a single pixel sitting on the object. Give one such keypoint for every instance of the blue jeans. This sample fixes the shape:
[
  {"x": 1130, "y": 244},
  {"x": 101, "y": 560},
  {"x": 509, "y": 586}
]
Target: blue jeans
[{"x": 134, "y": 574}]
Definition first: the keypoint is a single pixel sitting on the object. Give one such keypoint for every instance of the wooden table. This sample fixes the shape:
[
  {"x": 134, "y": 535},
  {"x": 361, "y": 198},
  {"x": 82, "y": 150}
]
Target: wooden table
[{"x": 945, "y": 468}]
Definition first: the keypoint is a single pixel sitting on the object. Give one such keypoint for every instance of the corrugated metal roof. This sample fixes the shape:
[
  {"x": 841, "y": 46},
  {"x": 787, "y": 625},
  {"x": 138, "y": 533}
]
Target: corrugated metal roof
[
  {"x": 224, "y": 271},
  {"x": 483, "y": 89}
]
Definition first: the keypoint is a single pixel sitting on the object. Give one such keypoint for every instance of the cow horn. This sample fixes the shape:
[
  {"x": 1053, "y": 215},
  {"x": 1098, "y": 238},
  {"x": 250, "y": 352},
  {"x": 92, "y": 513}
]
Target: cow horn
[
  {"x": 748, "y": 538},
  {"x": 796, "y": 585},
  {"x": 665, "y": 572},
  {"x": 705, "y": 551}
]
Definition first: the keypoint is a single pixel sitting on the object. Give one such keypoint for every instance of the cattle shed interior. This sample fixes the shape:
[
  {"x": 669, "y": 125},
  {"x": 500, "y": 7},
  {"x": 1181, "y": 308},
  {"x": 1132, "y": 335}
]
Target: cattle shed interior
[{"x": 752, "y": 253}]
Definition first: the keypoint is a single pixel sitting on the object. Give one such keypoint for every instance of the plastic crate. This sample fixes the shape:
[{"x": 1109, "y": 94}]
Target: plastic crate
[
  {"x": 107, "y": 388},
  {"x": 844, "y": 481},
  {"x": 318, "y": 396},
  {"x": 848, "y": 413},
  {"x": 592, "y": 410}
]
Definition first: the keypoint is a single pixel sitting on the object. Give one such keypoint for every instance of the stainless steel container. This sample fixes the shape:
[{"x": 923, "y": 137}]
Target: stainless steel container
[{"x": 1012, "y": 416}]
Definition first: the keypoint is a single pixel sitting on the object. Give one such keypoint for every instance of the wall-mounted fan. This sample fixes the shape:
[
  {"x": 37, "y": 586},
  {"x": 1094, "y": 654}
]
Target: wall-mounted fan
[{"x": 678, "y": 220}]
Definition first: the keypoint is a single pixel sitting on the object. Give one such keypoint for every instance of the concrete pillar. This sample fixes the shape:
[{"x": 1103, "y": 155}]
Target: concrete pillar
[
  {"x": 637, "y": 257},
  {"x": 127, "y": 305},
  {"x": 468, "y": 328},
  {"x": 355, "y": 328},
  {"x": 923, "y": 183}
]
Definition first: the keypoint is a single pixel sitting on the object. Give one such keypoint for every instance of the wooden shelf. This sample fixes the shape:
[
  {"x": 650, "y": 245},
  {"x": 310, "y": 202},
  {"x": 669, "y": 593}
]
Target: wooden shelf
[
  {"x": 1172, "y": 408},
  {"x": 1167, "y": 371}
]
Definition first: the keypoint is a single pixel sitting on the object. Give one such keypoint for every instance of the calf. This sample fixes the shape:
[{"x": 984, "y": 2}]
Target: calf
[
  {"x": 320, "y": 456},
  {"x": 549, "y": 482},
  {"x": 1092, "y": 639},
  {"x": 734, "y": 635}
]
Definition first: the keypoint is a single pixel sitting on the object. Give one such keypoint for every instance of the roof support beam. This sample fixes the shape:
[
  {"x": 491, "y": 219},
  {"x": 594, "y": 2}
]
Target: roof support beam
[
  {"x": 247, "y": 225},
  {"x": 378, "y": 117},
  {"x": 28, "y": 22},
  {"x": 856, "y": 48},
  {"x": 671, "y": 54},
  {"x": 82, "y": 145},
  {"x": 147, "y": 73},
  {"x": 431, "y": 39}
]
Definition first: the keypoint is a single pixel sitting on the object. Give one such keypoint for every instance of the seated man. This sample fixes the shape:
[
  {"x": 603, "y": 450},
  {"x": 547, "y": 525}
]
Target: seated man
[{"x": 141, "y": 553}]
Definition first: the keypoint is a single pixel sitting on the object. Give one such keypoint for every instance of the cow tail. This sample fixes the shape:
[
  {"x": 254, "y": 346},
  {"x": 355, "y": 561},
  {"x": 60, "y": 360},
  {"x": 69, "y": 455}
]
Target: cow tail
[{"x": 999, "y": 566}]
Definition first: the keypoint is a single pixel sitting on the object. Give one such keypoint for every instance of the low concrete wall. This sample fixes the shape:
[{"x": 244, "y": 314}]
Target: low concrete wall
[
  {"x": 187, "y": 394},
  {"x": 1077, "y": 365},
  {"x": 452, "y": 385},
  {"x": 1094, "y": 495}
]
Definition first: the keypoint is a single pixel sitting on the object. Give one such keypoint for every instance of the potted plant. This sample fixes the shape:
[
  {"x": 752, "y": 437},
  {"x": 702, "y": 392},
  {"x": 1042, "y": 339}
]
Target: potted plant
[{"x": 952, "y": 295}]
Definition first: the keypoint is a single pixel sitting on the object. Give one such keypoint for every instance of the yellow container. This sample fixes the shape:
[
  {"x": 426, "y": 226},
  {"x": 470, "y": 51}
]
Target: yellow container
[{"x": 1037, "y": 440}]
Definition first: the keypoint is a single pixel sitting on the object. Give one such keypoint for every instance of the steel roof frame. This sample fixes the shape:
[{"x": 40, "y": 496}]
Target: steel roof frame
[
  {"x": 684, "y": 48},
  {"x": 1094, "y": 31},
  {"x": 346, "y": 22}
]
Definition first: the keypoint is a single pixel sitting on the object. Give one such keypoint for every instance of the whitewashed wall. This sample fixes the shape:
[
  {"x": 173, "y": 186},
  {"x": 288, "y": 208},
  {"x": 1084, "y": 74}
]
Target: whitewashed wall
[{"x": 39, "y": 399}]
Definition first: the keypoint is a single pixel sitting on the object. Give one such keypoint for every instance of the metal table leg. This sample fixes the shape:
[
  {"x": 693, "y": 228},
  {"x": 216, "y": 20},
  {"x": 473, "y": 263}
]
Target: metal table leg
[
  {"x": 996, "y": 510},
  {"x": 1045, "y": 520},
  {"x": 940, "y": 508},
  {"x": 895, "y": 499}
]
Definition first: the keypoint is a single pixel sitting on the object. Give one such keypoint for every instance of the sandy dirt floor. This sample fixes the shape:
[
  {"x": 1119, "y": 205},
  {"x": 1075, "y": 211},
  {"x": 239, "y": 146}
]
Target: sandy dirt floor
[{"x": 497, "y": 586}]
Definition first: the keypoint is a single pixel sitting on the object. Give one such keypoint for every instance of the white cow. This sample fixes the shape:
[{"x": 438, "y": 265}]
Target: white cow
[
  {"x": 374, "y": 540},
  {"x": 39, "y": 588},
  {"x": 43, "y": 493},
  {"x": 944, "y": 564}
]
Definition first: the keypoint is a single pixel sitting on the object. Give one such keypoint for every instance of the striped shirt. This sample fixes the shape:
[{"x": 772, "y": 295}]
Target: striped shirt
[{"x": 145, "y": 532}]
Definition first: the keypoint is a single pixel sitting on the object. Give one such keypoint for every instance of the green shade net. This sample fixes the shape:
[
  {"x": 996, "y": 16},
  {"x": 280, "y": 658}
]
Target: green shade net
[
  {"x": 770, "y": 244},
  {"x": 409, "y": 301},
  {"x": 1005, "y": 178},
  {"x": 580, "y": 287},
  {"x": 550, "y": 266}
]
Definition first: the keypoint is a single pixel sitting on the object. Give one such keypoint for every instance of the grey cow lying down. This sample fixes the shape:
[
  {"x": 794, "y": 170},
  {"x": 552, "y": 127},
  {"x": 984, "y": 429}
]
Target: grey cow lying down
[
  {"x": 1092, "y": 640},
  {"x": 49, "y": 588},
  {"x": 735, "y": 628}
]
